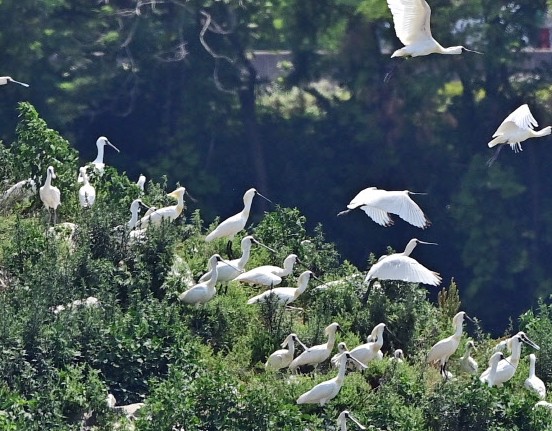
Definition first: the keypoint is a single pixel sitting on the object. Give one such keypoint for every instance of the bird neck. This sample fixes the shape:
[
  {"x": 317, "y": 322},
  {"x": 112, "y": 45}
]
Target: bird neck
[
  {"x": 331, "y": 341},
  {"x": 409, "y": 247},
  {"x": 133, "y": 219},
  {"x": 100, "y": 155},
  {"x": 459, "y": 330},
  {"x": 452, "y": 50},
  {"x": 531, "y": 368},
  {"x": 214, "y": 275},
  {"x": 341, "y": 373},
  {"x": 246, "y": 252},
  {"x": 516, "y": 353},
  {"x": 291, "y": 347},
  {"x": 543, "y": 132},
  {"x": 301, "y": 286}
]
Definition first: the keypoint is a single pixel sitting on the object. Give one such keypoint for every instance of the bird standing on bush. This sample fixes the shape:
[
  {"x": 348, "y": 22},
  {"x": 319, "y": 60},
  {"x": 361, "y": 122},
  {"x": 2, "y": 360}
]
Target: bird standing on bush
[{"x": 49, "y": 194}]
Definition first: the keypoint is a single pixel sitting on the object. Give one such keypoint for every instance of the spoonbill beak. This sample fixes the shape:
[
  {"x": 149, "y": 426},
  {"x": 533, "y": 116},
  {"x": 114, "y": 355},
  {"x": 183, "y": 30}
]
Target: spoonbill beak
[
  {"x": 472, "y": 50},
  {"x": 112, "y": 146},
  {"x": 430, "y": 243},
  {"x": 264, "y": 197},
  {"x": 265, "y": 246},
  {"x": 142, "y": 204},
  {"x": 358, "y": 424},
  {"x": 527, "y": 341},
  {"x": 301, "y": 343},
  {"x": 17, "y": 82},
  {"x": 469, "y": 318},
  {"x": 220, "y": 259}
]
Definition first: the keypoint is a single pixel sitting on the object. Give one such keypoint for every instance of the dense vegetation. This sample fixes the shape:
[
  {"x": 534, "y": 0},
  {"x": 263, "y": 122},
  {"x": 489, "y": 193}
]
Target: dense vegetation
[{"x": 201, "y": 368}]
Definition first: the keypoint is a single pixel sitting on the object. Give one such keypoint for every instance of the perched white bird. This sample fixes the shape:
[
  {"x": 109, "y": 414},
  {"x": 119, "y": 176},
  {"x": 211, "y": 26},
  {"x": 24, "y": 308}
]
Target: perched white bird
[
  {"x": 369, "y": 351},
  {"x": 18, "y": 192},
  {"x": 141, "y": 182},
  {"x": 317, "y": 354},
  {"x": 533, "y": 383},
  {"x": 325, "y": 391},
  {"x": 543, "y": 404},
  {"x": 398, "y": 356},
  {"x": 445, "y": 348},
  {"x": 283, "y": 357},
  {"x": 87, "y": 193},
  {"x": 341, "y": 348},
  {"x": 516, "y": 128},
  {"x": 342, "y": 421},
  {"x": 7, "y": 79},
  {"x": 378, "y": 204},
  {"x": 135, "y": 206},
  {"x": 495, "y": 359},
  {"x": 228, "y": 272},
  {"x": 128, "y": 410},
  {"x": 166, "y": 213},
  {"x": 507, "y": 367},
  {"x": 467, "y": 363},
  {"x": 50, "y": 195},
  {"x": 400, "y": 266},
  {"x": 412, "y": 26},
  {"x": 98, "y": 162},
  {"x": 205, "y": 291},
  {"x": 268, "y": 275},
  {"x": 232, "y": 225},
  {"x": 285, "y": 295}
]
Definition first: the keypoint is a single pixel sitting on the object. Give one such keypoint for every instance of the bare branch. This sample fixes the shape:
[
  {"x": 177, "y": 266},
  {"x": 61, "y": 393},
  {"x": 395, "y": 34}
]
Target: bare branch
[{"x": 206, "y": 25}]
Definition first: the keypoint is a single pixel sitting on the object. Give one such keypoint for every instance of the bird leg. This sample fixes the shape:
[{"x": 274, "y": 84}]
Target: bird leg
[
  {"x": 368, "y": 290},
  {"x": 343, "y": 212},
  {"x": 229, "y": 250},
  {"x": 391, "y": 71},
  {"x": 289, "y": 307},
  {"x": 494, "y": 156}
]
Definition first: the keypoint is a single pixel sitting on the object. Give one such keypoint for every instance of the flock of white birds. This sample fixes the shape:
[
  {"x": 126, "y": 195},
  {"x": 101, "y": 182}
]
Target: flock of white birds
[{"x": 412, "y": 26}]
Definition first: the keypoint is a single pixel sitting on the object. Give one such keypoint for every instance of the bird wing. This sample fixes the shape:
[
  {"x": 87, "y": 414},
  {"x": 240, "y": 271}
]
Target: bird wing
[
  {"x": 378, "y": 215},
  {"x": 400, "y": 203},
  {"x": 362, "y": 197},
  {"x": 520, "y": 118},
  {"x": 228, "y": 228},
  {"x": 411, "y": 19},
  {"x": 403, "y": 268}
]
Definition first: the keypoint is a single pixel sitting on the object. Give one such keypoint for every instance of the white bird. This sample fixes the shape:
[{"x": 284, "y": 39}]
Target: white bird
[
  {"x": 378, "y": 204},
  {"x": 516, "y": 128},
  {"x": 135, "y": 206},
  {"x": 342, "y": 421},
  {"x": 285, "y": 295},
  {"x": 7, "y": 79},
  {"x": 18, "y": 192},
  {"x": 203, "y": 292},
  {"x": 317, "y": 354},
  {"x": 128, "y": 410},
  {"x": 141, "y": 182},
  {"x": 87, "y": 193},
  {"x": 98, "y": 162},
  {"x": 228, "y": 272},
  {"x": 400, "y": 266},
  {"x": 507, "y": 368},
  {"x": 283, "y": 357},
  {"x": 369, "y": 351},
  {"x": 533, "y": 383},
  {"x": 445, "y": 348},
  {"x": 544, "y": 404},
  {"x": 166, "y": 213},
  {"x": 341, "y": 348},
  {"x": 50, "y": 195},
  {"x": 501, "y": 346},
  {"x": 268, "y": 275},
  {"x": 232, "y": 225},
  {"x": 412, "y": 26},
  {"x": 495, "y": 359},
  {"x": 398, "y": 356},
  {"x": 467, "y": 363},
  {"x": 325, "y": 391}
]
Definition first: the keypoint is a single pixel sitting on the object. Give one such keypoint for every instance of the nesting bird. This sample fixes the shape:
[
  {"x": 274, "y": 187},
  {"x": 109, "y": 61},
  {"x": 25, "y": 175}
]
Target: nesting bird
[{"x": 283, "y": 357}]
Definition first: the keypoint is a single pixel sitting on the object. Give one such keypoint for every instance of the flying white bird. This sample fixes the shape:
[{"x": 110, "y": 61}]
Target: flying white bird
[
  {"x": 378, "y": 204},
  {"x": 7, "y": 79},
  {"x": 228, "y": 272},
  {"x": 283, "y": 357},
  {"x": 87, "y": 192},
  {"x": 269, "y": 275},
  {"x": 516, "y": 128},
  {"x": 467, "y": 363},
  {"x": 342, "y": 421},
  {"x": 317, "y": 354},
  {"x": 50, "y": 195},
  {"x": 367, "y": 352},
  {"x": 232, "y": 225},
  {"x": 533, "y": 383},
  {"x": 412, "y": 26},
  {"x": 166, "y": 213},
  {"x": 285, "y": 295},
  {"x": 507, "y": 368},
  {"x": 400, "y": 266},
  {"x": 141, "y": 182},
  {"x": 98, "y": 162},
  {"x": 445, "y": 348},
  {"x": 325, "y": 391},
  {"x": 203, "y": 292}
]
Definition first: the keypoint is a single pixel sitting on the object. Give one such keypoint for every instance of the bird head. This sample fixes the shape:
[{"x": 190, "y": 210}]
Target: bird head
[
  {"x": 103, "y": 141},
  {"x": 51, "y": 172},
  {"x": 178, "y": 193},
  {"x": 332, "y": 328},
  {"x": 344, "y": 415},
  {"x": 525, "y": 339}
]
